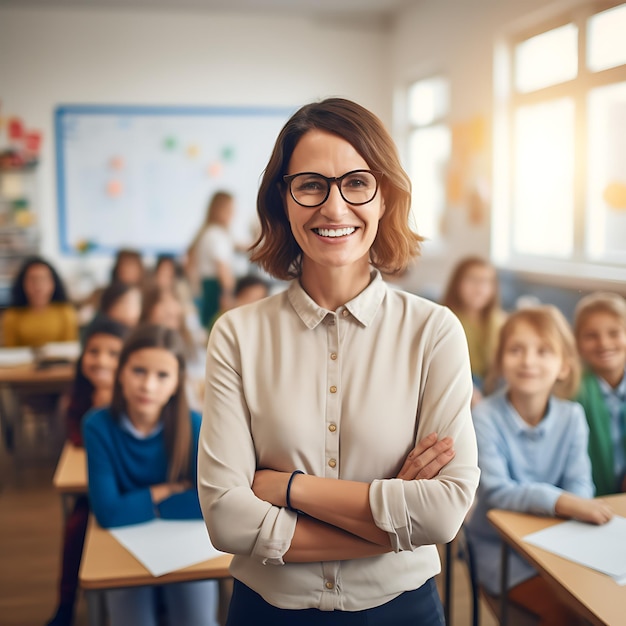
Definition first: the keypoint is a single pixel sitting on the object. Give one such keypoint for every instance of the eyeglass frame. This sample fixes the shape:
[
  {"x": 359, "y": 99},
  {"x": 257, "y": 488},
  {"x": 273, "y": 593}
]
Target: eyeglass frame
[{"x": 333, "y": 180}]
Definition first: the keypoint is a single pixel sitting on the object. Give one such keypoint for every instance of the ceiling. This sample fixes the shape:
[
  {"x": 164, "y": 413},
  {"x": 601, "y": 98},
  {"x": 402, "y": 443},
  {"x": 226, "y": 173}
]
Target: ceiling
[{"x": 374, "y": 11}]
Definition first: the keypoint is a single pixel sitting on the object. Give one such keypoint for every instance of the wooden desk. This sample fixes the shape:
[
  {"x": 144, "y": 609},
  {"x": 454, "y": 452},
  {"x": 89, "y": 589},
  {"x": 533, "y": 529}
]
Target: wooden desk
[
  {"x": 106, "y": 565},
  {"x": 70, "y": 475},
  {"x": 25, "y": 381},
  {"x": 593, "y": 595}
]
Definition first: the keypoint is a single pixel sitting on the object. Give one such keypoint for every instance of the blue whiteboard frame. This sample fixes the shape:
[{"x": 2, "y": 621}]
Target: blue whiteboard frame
[{"x": 63, "y": 113}]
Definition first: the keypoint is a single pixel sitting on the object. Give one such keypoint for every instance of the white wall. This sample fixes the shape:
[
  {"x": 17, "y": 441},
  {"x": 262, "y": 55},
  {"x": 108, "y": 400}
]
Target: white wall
[
  {"x": 63, "y": 56},
  {"x": 454, "y": 38}
]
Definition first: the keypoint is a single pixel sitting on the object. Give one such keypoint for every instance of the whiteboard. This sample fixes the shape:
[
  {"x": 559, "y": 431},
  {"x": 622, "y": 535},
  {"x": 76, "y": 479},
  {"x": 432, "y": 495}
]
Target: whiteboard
[{"x": 141, "y": 177}]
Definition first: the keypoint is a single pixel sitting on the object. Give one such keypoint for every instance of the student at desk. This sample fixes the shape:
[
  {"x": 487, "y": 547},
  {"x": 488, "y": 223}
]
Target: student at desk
[
  {"x": 93, "y": 387},
  {"x": 532, "y": 451},
  {"x": 40, "y": 311},
  {"x": 141, "y": 460}
]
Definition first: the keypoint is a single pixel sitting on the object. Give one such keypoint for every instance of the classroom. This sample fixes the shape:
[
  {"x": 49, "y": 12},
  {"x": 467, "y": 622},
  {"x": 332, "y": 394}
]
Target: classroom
[{"x": 509, "y": 119}]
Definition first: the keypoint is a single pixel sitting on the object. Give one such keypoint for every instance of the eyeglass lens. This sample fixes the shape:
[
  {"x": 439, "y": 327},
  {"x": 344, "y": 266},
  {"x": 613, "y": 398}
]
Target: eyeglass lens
[{"x": 357, "y": 187}]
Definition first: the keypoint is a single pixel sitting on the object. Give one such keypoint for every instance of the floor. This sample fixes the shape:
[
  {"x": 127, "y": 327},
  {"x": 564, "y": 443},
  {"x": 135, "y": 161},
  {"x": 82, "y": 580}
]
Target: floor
[{"x": 30, "y": 541}]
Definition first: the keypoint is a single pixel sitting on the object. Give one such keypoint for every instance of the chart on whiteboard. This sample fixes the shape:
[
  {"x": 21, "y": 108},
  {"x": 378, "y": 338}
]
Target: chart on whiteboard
[{"x": 142, "y": 177}]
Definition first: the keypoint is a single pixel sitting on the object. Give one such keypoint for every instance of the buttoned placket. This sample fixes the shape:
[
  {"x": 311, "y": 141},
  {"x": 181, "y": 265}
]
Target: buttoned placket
[{"x": 330, "y": 569}]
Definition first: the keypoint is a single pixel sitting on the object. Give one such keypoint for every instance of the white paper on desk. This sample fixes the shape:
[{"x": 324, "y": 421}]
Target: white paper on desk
[
  {"x": 602, "y": 548},
  {"x": 65, "y": 350},
  {"x": 163, "y": 546},
  {"x": 10, "y": 357}
]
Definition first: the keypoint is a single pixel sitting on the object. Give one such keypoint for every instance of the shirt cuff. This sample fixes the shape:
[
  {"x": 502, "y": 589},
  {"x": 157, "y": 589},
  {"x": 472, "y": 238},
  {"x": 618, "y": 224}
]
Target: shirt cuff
[
  {"x": 390, "y": 512},
  {"x": 275, "y": 536}
]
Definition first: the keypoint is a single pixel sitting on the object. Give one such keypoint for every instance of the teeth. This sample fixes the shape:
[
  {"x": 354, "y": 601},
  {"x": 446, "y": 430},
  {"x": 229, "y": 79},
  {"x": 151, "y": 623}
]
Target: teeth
[{"x": 340, "y": 232}]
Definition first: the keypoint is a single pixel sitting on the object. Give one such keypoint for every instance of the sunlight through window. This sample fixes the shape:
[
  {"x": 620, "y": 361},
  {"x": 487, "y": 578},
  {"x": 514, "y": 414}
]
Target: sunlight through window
[{"x": 606, "y": 33}]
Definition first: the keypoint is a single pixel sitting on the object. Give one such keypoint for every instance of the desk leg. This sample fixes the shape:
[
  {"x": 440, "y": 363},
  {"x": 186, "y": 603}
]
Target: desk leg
[
  {"x": 67, "y": 500},
  {"x": 504, "y": 584},
  {"x": 95, "y": 607}
]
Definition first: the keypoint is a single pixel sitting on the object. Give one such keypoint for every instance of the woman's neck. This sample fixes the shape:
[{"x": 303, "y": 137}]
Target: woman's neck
[
  {"x": 530, "y": 407},
  {"x": 144, "y": 422},
  {"x": 101, "y": 396},
  {"x": 332, "y": 287},
  {"x": 613, "y": 378}
]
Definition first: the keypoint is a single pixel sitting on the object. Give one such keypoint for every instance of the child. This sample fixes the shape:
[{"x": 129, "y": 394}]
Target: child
[
  {"x": 600, "y": 327},
  {"x": 532, "y": 450},
  {"x": 40, "y": 311},
  {"x": 141, "y": 460},
  {"x": 472, "y": 295},
  {"x": 162, "y": 307},
  {"x": 93, "y": 387}
]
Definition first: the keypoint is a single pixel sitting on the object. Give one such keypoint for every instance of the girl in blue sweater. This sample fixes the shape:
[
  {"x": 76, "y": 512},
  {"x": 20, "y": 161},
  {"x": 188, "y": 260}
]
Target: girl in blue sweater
[{"x": 141, "y": 459}]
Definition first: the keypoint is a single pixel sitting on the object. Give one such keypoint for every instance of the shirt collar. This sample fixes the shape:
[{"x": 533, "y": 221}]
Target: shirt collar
[
  {"x": 127, "y": 425},
  {"x": 607, "y": 390},
  {"x": 363, "y": 308},
  {"x": 521, "y": 427}
]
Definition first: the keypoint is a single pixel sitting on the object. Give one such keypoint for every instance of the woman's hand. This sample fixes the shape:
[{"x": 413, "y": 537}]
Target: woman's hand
[
  {"x": 427, "y": 458},
  {"x": 271, "y": 486},
  {"x": 583, "y": 509}
]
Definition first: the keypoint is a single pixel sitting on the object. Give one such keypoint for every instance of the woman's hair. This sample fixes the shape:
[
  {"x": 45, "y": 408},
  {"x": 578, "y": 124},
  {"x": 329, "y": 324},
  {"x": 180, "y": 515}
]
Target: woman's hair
[
  {"x": 18, "y": 295},
  {"x": 551, "y": 325},
  {"x": 452, "y": 294},
  {"x": 599, "y": 302},
  {"x": 218, "y": 201},
  {"x": 82, "y": 389},
  {"x": 175, "y": 414},
  {"x": 122, "y": 256},
  {"x": 276, "y": 249}
]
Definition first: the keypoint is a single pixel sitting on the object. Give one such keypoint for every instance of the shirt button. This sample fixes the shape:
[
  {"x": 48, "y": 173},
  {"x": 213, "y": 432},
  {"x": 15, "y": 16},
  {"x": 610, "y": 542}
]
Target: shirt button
[
  {"x": 332, "y": 463},
  {"x": 333, "y": 356},
  {"x": 333, "y": 389},
  {"x": 332, "y": 428},
  {"x": 345, "y": 312},
  {"x": 329, "y": 585}
]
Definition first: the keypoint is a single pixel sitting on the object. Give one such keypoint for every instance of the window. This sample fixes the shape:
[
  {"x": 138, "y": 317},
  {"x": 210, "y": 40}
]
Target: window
[
  {"x": 560, "y": 152},
  {"x": 428, "y": 152}
]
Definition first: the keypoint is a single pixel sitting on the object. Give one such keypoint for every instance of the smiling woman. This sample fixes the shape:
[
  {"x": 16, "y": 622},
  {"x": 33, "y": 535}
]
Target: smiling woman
[{"x": 337, "y": 440}]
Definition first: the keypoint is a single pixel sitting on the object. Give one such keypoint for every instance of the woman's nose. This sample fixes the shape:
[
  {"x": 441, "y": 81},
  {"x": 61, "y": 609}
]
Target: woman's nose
[{"x": 335, "y": 206}]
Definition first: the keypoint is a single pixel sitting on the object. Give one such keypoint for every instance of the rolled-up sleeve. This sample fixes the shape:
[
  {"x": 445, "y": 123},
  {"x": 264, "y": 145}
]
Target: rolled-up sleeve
[
  {"x": 237, "y": 521},
  {"x": 421, "y": 512}
]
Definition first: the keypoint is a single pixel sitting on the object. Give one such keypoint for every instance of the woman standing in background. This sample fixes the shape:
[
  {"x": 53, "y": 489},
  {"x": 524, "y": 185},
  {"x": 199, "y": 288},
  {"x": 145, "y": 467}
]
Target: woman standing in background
[{"x": 210, "y": 257}]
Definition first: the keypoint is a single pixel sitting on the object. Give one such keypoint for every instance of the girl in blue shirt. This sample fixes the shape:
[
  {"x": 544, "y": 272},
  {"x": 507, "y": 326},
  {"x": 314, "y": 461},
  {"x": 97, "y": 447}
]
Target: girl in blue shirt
[
  {"x": 141, "y": 459},
  {"x": 532, "y": 450}
]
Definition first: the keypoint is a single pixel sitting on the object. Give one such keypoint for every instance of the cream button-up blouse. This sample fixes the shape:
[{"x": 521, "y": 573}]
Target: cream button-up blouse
[{"x": 341, "y": 394}]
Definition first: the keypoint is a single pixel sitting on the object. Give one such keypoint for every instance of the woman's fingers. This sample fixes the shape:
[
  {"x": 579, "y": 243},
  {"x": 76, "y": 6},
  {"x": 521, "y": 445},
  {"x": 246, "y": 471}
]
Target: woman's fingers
[{"x": 427, "y": 458}]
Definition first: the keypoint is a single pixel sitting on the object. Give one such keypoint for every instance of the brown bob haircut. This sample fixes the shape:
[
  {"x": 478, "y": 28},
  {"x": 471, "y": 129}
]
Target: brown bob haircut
[
  {"x": 551, "y": 325},
  {"x": 175, "y": 414},
  {"x": 276, "y": 249}
]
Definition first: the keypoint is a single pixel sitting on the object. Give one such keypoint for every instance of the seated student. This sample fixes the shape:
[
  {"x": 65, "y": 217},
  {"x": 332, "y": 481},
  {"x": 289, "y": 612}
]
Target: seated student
[
  {"x": 128, "y": 267},
  {"x": 249, "y": 288},
  {"x": 40, "y": 311},
  {"x": 141, "y": 460},
  {"x": 121, "y": 302},
  {"x": 600, "y": 328},
  {"x": 472, "y": 294},
  {"x": 93, "y": 388},
  {"x": 162, "y": 307},
  {"x": 532, "y": 451}
]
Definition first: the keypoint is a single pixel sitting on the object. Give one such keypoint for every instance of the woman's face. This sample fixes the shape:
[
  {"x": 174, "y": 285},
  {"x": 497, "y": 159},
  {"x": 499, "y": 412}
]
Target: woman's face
[
  {"x": 130, "y": 271},
  {"x": 100, "y": 359},
  {"x": 335, "y": 234},
  {"x": 165, "y": 274},
  {"x": 38, "y": 285}
]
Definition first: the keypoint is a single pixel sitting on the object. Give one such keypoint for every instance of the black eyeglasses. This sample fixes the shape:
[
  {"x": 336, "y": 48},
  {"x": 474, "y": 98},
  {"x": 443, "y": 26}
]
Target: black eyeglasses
[{"x": 311, "y": 189}]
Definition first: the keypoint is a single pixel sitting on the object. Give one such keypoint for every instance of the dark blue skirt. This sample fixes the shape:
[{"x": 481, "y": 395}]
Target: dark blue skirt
[{"x": 421, "y": 607}]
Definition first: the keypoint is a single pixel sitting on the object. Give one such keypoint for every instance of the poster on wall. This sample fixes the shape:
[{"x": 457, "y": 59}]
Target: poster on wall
[{"x": 142, "y": 177}]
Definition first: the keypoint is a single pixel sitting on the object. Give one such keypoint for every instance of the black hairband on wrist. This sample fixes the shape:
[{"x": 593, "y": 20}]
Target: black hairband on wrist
[{"x": 288, "y": 495}]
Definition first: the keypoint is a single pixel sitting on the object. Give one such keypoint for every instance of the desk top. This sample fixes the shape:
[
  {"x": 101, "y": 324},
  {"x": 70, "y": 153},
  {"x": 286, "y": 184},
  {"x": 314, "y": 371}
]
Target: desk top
[
  {"x": 70, "y": 475},
  {"x": 592, "y": 594},
  {"x": 106, "y": 564},
  {"x": 28, "y": 374}
]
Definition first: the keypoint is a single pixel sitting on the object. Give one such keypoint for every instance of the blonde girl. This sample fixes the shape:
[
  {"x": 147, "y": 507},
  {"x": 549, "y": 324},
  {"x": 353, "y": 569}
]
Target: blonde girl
[
  {"x": 141, "y": 459},
  {"x": 532, "y": 450}
]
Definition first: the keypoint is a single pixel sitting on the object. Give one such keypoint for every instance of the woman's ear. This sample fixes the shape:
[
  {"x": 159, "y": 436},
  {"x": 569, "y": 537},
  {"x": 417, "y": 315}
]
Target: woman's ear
[{"x": 566, "y": 368}]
